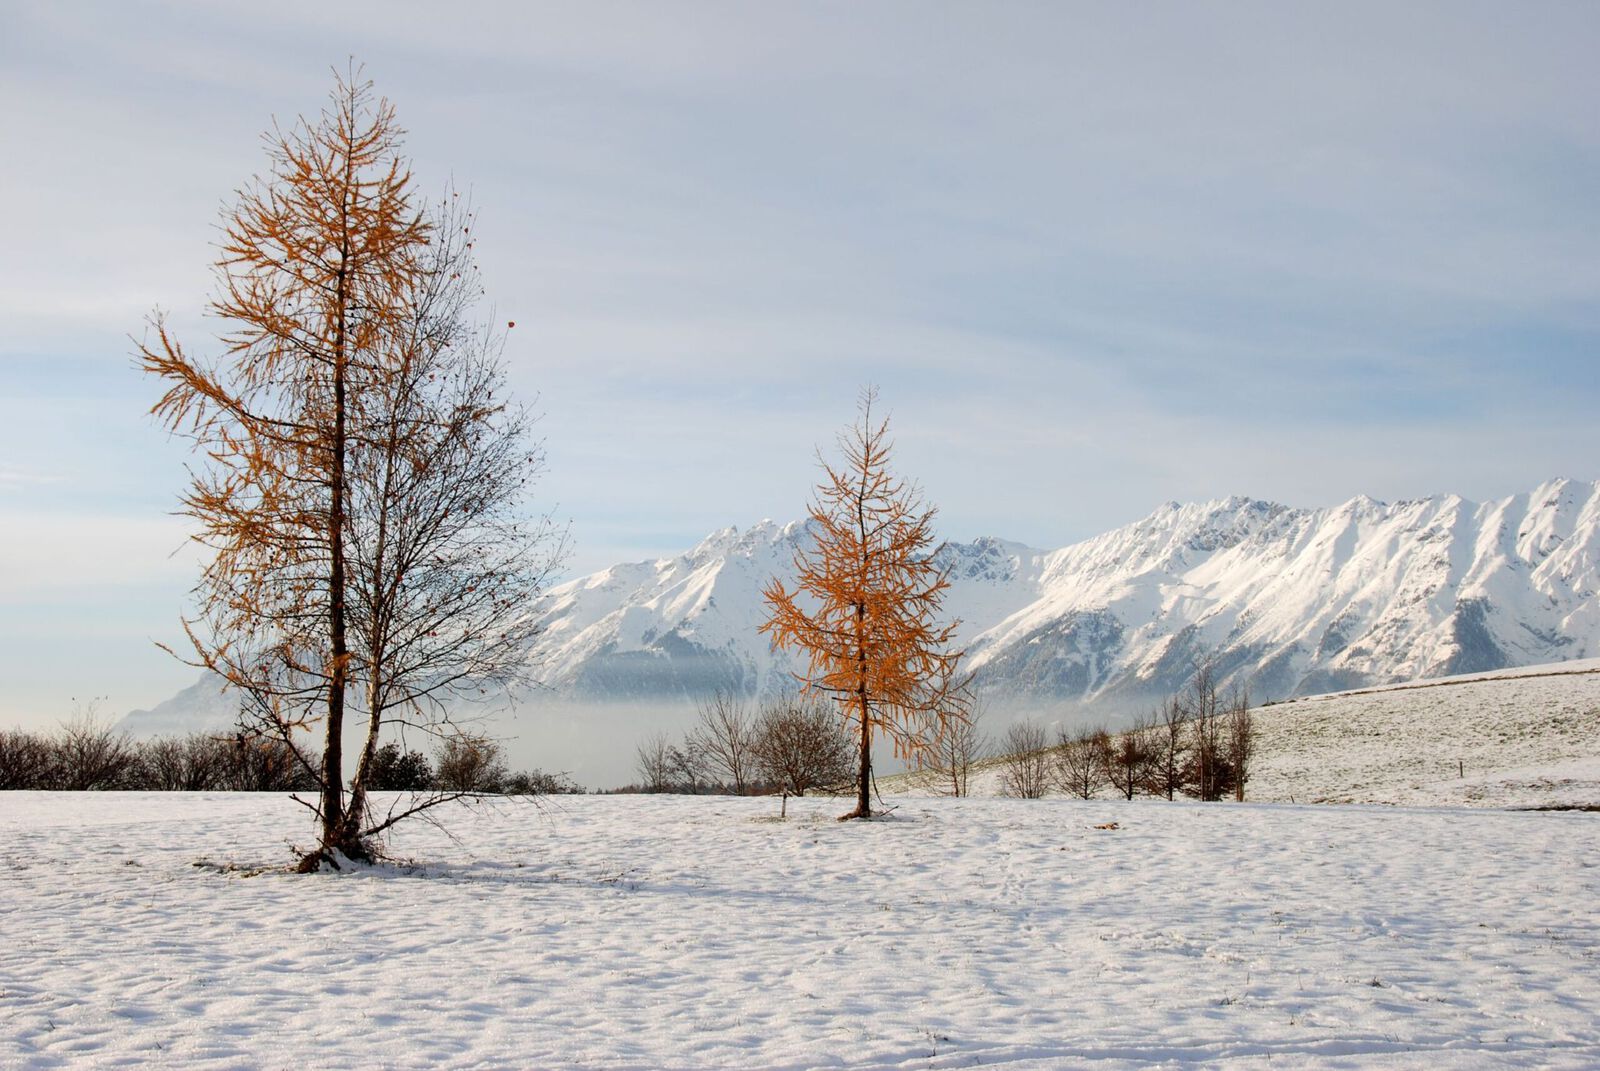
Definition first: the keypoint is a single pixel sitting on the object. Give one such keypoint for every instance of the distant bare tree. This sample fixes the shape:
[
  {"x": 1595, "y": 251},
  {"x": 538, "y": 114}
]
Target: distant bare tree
[
  {"x": 800, "y": 745},
  {"x": 653, "y": 763},
  {"x": 1027, "y": 761},
  {"x": 1204, "y": 707},
  {"x": 686, "y": 767},
  {"x": 1169, "y": 749},
  {"x": 1127, "y": 757},
  {"x": 1241, "y": 742},
  {"x": 961, "y": 746},
  {"x": 1080, "y": 762},
  {"x": 724, "y": 740}
]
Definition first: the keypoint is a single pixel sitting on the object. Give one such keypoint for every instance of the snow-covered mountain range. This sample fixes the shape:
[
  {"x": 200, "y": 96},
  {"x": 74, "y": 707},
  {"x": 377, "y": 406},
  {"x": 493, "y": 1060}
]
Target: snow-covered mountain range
[{"x": 1288, "y": 601}]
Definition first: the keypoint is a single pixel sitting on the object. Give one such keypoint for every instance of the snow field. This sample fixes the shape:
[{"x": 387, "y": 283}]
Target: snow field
[{"x": 664, "y": 932}]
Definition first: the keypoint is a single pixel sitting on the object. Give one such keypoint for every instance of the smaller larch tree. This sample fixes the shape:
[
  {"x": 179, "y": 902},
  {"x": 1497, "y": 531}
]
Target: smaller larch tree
[{"x": 865, "y": 610}]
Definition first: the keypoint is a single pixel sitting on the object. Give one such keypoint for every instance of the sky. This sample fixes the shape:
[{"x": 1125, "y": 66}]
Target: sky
[{"x": 1095, "y": 257}]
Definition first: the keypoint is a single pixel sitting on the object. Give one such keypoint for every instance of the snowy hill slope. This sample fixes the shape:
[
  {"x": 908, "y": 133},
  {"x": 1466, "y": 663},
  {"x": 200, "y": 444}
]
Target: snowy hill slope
[{"x": 1522, "y": 737}]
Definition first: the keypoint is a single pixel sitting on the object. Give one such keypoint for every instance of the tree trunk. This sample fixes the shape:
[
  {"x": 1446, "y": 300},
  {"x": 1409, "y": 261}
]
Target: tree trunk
[
  {"x": 864, "y": 782},
  {"x": 339, "y": 831}
]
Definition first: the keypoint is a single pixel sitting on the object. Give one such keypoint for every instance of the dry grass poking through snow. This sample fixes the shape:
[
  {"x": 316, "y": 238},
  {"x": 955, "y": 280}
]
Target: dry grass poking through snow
[{"x": 650, "y": 932}]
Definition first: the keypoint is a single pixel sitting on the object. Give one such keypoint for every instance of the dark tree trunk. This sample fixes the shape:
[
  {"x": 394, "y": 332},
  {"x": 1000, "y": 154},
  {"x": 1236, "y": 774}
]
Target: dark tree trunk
[{"x": 864, "y": 780}]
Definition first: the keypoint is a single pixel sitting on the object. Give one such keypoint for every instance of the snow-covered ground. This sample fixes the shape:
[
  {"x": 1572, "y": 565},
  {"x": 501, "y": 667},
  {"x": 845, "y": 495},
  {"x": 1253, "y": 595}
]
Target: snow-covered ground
[
  {"x": 653, "y": 933},
  {"x": 1525, "y": 737}
]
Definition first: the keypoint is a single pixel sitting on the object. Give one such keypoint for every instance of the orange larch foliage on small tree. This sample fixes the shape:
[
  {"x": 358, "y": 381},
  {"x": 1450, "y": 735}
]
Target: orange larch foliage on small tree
[{"x": 866, "y": 607}]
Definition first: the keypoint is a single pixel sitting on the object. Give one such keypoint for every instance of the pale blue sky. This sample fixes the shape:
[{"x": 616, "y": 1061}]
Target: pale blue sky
[{"x": 1096, "y": 257}]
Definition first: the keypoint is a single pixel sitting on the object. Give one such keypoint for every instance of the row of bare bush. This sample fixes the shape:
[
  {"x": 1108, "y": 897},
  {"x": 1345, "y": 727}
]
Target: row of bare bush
[
  {"x": 86, "y": 754},
  {"x": 1198, "y": 744},
  {"x": 793, "y": 745}
]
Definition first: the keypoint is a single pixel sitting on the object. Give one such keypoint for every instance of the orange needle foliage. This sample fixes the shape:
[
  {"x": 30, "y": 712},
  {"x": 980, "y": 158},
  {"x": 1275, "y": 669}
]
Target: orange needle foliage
[
  {"x": 316, "y": 262},
  {"x": 361, "y": 474},
  {"x": 865, "y": 610}
]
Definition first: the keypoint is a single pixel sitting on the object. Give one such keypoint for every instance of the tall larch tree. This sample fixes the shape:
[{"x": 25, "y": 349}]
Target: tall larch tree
[
  {"x": 357, "y": 467},
  {"x": 865, "y": 610}
]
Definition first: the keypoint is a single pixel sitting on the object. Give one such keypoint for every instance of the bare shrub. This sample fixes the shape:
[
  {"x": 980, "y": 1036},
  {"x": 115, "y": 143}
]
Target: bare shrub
[
  {"x": 801, "y": 745},
  {"x": 470, "y": 764},
  {"x": 539, "y": 783},
  {"x": 91, "y": 755},
  {"x": 194, "y": 763},
  {"x": 263, "y": 764},
  {"x": 27, "y": 760},
  {"x": 1026, "y": 770}
]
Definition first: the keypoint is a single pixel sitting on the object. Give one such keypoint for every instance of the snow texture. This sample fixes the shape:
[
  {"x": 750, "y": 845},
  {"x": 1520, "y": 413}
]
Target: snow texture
[{"x": 675, "y": 933}]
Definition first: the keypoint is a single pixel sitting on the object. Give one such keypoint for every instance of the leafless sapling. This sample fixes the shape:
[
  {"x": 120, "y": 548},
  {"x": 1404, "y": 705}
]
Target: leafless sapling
[
  {"x": 959, "y": 748},
  {"x": 1025, "y": 770},
  {"x": 1080, "y": 762},
  {"x": 724, "y": 739}
]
